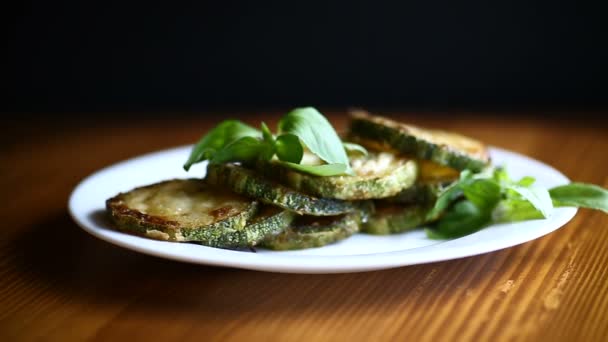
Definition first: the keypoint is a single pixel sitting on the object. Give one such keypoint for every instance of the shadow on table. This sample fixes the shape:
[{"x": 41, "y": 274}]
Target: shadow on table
[{"x": 59, "y": 256}]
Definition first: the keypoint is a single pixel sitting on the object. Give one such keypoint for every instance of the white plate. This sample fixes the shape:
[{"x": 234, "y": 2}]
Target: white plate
[{"x": 357, "y": 253}]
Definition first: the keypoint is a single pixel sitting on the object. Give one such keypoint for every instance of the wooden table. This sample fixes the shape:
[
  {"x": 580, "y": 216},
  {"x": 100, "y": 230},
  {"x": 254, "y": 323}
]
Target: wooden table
[{"x": 59, "y": 283}]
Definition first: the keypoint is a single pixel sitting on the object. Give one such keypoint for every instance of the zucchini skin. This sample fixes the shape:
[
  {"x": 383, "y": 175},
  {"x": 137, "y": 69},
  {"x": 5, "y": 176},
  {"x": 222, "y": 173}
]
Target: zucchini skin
[
  {"x": 246, "y": 182},
  {"x": 419, "y": 142},
  {"x": 393, "y": 219},
  {"x": 302, "y": 235},
  {"x": 257, "y": 228},
  {"x": 359, "y": 187},
  {"x": 270, "y": 221},
  {"x": 221, "y": 233}
]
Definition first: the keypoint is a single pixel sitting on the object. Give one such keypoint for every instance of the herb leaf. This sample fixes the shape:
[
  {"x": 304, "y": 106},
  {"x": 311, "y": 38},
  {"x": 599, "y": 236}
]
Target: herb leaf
[
  {"x": 483, "y": 193},
  {"x": 354, "y": 148},
  {"x": 319, "y": 170},
  {"x": 317, "y": 134},
  {"x": 515, "y": 209},
  {"x": 580, "y": 195},
  {"x": 246, "y": 149},
  {"x": 289, "y": 148},
  {"x": 443, "y": 201},
  {"x": 491, "y": 196},
  {"x": 526, "y": 181},
  {"x": 463, "y": 218},
  {"x": 223, "y": 134},
  {"x": 537, "y": 196},
  {"x": 267, "y": 134},
  {"x": 269, "y": 140}
]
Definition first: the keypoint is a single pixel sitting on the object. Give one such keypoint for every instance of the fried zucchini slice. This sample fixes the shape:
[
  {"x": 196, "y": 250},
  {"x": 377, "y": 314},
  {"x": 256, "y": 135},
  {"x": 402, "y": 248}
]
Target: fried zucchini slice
[
  {"x": 378, "y": 175},
  {"x": 444, "y": 148},
  {"x": 183, "y": 210},
  {"x": 246, "y": 182},
  {"x": 394, "y": 218},
  {"x": 310, "y": 232},
  {"x": 269, "y": 221}
]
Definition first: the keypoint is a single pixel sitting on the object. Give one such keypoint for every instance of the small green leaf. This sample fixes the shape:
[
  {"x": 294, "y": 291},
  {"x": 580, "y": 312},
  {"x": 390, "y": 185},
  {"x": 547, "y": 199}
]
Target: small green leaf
[
  {"x": 223, "y": 134},
  {"x": 270, "y": 142},
  {"x": 461, "y": 219},
  {"x": 246, "y": 149},
  {"x": 501, "y": 176},
  {"x": 317, "y": 134},
  {"x": 433, "y": 234},
  {"x": 443, "y": 201},
  {"x": 267, "y": 134},
  {"x": 484, "y": 193},
  {"x": 493, "y": 197},
  {"x": 526, "y": 181},
  {"x": 448, "y": 195},
  {"x": 514, "y": 209},
  {"x": 352, "y": 148},
  {"x": 466, "y": 175},
  {"x": 580, "y": 195},
  {"x": 537, "y": 196},
  {"x": 289, "y": 148},
  {"x": 324, "y": 170}
]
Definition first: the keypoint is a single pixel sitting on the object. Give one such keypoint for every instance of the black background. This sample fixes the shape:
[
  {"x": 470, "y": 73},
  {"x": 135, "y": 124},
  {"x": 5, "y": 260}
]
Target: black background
[{"x": 80, "y": 56}]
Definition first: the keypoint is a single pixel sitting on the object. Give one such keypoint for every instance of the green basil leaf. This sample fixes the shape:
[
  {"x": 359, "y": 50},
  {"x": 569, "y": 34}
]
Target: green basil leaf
[
  {"x": 267, "y": 134},
  {"x": 537, "y": 196},
  {"x": 443, "y": 201},
  {"x": 324, "y": 170},
  {"x": 526, "y": 181},
  {"x": 352, "y": 148},
  {"x": 317, "y": 134},
  {"x": 514, "y": 209},
  {"x": 580, "y": 195},
  {"x": 246, "y": 149},
  {"x": 484, "y": 193},
  {"x": 289, "y": 148},
  {"x": 434, "y": 234},
  {"x": 496, "y": 198},
  {"x": 220, "y": 136},
  {"x": 463, "y": 218},
  {"x": 270, "y": 142},
  {"x": 501, "y": 176},
  {"x": 448, "y": 195},
  {"x": 465, "y": 176}
]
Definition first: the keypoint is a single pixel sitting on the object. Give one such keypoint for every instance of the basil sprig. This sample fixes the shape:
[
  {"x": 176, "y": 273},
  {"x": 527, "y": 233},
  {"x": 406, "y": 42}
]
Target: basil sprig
[
  {"x": 221, "y": 138},
  {"x": 580, "y": 195},
  {"x": 234, "y": 141},
  {"x": 478, "y": 200}
]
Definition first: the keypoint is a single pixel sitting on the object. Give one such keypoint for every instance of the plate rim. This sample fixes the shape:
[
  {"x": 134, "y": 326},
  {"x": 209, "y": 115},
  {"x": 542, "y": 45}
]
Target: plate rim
[{"x": 286, "y": 263}]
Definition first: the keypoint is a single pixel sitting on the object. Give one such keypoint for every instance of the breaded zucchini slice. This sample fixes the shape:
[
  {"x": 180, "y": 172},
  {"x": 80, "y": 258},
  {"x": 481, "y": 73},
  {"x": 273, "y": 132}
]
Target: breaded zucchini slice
[
  {"x": 378, "y": 175},
  {"x": 249, "y": 183},
  {"x": 445, "y": 148},
  {"x": 270, "y": 220},
  {"x": 183, "y": 210},
  {"x": 394, "y": 218},
  {"x": 311, "y": 231}
]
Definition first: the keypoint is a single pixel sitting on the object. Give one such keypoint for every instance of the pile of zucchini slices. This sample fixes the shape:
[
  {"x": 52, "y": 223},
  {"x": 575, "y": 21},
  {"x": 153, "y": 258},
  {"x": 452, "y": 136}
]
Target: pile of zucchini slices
[{"x": 275, "y": 207}]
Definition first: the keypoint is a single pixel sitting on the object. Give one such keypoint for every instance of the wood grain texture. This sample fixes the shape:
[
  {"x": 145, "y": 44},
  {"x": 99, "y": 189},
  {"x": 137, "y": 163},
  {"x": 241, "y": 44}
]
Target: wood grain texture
[{"x": 57, "y": 283}]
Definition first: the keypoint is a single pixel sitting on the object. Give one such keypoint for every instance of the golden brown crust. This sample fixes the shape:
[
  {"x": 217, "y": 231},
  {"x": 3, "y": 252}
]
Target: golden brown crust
[
  {"x": 175, "y": 210},
  {"x": 447, "y": 140}
]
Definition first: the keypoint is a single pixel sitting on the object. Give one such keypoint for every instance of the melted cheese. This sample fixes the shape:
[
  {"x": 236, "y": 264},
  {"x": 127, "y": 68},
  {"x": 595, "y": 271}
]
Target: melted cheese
[
  {"x": 376, "y": 164},
  {"x": 186, "y": 201},
  {"x": 431, "y": 171}
]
